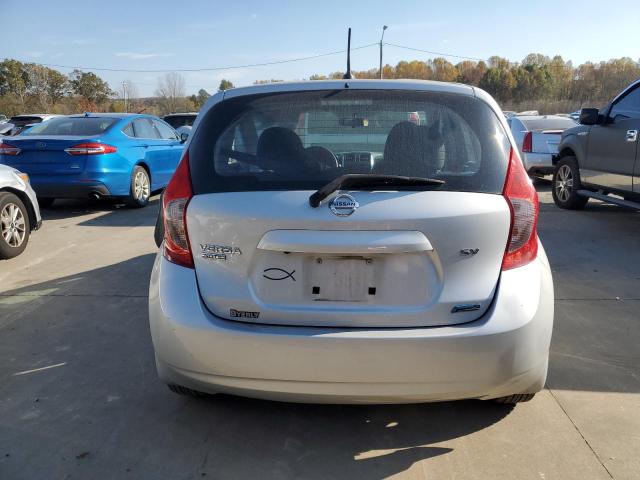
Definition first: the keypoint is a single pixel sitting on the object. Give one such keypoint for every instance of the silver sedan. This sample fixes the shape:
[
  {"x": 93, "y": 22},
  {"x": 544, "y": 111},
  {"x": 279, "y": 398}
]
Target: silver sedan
[{"x": 537, "y": 138}]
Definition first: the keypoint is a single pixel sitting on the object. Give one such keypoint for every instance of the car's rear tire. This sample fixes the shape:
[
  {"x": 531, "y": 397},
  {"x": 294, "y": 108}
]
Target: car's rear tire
[
  {"x": 513, "y": 399},
  {"x": 566, "y": 183},
  {"x": 180, "y": 390},
  {"x": 14, "y": 226},
  {"x": 140, "y": 189},
  {"x": 46, "y": 202}
]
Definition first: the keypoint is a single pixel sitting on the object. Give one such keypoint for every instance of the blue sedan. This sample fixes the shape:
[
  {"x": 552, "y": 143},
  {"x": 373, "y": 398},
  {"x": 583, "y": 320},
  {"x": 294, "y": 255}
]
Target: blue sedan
[{"x": 96, "y": 155}]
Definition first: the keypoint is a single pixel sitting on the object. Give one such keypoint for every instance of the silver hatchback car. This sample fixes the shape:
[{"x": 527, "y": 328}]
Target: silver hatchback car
[
  {"x": 352, "y": 241},
  {"x": 19, "y": 211}
]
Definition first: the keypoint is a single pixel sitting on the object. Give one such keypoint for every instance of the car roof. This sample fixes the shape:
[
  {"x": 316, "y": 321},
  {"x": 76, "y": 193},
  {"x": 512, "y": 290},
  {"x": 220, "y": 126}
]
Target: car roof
[
  {"x": 426, "y": 85},
  {"x": 108, "y": 115},
  {"x": 180, "y": 114},
  {"x": 40, "y": 115}
]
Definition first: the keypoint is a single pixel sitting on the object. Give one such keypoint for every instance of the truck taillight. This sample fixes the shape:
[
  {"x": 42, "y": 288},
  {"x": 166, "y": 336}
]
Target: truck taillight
[
  {"x": 175, "y": 201},
  {"x": 522, "y": 247},
  {"x": 527, "y": 143},
  {"x": 8, "y": 149},
  {"x": 91, "y": 148}
]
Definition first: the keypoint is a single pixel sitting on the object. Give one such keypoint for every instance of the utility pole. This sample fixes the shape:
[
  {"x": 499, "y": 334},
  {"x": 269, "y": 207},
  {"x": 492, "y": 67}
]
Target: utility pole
[
  {"x": 124, "y": 96},
  {"x": 384, "y": 27}
]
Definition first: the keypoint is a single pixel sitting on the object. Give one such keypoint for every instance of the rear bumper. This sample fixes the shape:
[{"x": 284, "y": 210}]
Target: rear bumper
[
  {"x": 85, "y": 189},
  {"x": 503, "y": 353},
  {"x": 538, "y": 162}
]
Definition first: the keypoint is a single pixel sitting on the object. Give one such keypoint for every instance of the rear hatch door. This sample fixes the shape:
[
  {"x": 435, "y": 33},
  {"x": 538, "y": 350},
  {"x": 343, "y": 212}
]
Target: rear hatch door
[{"x": 396, "y": 256}]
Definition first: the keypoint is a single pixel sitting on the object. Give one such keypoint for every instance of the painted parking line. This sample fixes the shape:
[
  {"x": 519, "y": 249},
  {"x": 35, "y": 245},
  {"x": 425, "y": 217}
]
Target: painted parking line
[{"x": 39, "y": 369}]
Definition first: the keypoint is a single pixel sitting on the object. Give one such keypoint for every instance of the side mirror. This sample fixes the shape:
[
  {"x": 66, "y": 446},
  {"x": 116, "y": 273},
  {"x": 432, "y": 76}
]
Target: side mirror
[
  {"x": 184, "y": 136},
  {"x": 589, "y": 116}
]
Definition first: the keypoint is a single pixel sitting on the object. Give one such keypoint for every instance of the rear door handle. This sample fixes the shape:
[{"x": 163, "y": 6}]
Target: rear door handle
[{"x": 632, "y": 135}]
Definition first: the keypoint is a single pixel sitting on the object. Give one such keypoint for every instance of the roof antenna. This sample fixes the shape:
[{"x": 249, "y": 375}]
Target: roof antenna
[{"x": 347, "y": 75}]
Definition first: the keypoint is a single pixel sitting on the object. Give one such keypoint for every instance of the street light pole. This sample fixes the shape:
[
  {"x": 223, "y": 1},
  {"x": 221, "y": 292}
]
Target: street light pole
[
  {"x": 384, "y": 27},
  {"x": 124, "y": 96}
]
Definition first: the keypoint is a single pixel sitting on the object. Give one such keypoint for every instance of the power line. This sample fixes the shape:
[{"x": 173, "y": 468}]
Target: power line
[
  {"x": 435, "y": 53},
  {"x": 209, "y": 69}
]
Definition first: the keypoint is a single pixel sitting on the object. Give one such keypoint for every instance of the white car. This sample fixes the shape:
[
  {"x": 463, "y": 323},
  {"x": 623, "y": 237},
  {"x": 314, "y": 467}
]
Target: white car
[
  {"x": 405, "y": 269},
  {"x": 537, "y": 138},
  {"x": 20, "y": 122},
  {"x": 19, "y": 211}
]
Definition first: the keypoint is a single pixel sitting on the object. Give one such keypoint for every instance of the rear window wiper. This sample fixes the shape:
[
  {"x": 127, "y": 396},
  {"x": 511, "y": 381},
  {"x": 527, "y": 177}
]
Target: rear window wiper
[{"x": 353, "y": 180}]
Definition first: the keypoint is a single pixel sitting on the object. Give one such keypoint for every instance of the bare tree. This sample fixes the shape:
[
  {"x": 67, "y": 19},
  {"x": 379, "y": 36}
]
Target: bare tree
[{"x": 171, "y": 90}]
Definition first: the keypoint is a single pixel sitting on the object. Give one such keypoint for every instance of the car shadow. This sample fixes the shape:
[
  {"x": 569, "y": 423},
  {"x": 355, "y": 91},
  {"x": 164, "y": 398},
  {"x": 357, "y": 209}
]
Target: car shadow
[
  {"x": 100, "y": 398},
  {"x": 107, "y": 213}
]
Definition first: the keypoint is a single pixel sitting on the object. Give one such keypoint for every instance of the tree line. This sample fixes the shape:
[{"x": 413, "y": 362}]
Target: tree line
[
  {"x": 538, "y": 82},
  {"x": 30, "y": 87}
]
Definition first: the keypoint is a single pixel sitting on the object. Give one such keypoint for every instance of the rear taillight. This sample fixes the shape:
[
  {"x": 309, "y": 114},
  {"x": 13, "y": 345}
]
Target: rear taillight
[
  {"x": 91, "y": 148},
  {"x": 527, "y": 143},
  {"x": 8, "y": 149},
  {"x": 175, "y": 200},
  {"x": 522, "y": 198}
]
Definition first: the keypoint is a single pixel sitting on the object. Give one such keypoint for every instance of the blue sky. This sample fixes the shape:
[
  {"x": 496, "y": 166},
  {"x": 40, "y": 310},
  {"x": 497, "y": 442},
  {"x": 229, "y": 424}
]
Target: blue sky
[{"x": 148, "y": 35}]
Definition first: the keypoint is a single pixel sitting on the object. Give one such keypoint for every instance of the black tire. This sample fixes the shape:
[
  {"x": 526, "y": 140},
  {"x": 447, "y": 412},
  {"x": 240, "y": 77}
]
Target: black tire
[
  {"x": 180, "y": 390},
  {"x": 14, "y": 226},
  {"x": 140, "y": 188},
  {"x": 517, "y": 398},
  {"x": 46, "y": 202},
  {"x": 566, "y": 183}
]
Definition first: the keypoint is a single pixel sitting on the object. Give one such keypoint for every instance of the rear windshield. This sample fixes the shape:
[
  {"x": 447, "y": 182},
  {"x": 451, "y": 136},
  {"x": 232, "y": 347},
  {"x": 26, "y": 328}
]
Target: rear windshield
[
  {"x": 555, "y": 123},
  {"x": 180, "y": 120},
  {"x": 73, "y": 126},
  {"x": 303, "y": 140}
]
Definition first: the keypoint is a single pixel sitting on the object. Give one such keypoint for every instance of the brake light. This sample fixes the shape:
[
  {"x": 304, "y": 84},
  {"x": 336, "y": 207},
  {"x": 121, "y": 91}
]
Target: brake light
[
  {"x": 91, "y": 148},
  {"x": 522, "y": 198},
  {"x": 175, "y": 200},
  {"x": 8, "y": 149},
  {"x": 527, "y": 143}
]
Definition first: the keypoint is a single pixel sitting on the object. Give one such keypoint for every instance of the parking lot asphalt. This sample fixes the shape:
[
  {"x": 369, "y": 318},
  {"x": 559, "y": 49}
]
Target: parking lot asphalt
[{"x": 79, "y": 397}]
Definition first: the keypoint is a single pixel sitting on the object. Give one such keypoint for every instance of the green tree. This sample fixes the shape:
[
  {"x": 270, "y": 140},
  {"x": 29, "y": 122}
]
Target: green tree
[
  {"x": 89, "y": 87},
  {"x": 57, "y": 86},
  {"x": 202, "y": 97},
  {"x": 14, "y": 79},
  {"x": 225, "y": 85}
]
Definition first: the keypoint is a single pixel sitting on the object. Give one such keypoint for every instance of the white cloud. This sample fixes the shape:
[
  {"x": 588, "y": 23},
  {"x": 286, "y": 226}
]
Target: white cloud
[
  {"x": 35, "y": 54},
  {"x": 141, "y": 56}
]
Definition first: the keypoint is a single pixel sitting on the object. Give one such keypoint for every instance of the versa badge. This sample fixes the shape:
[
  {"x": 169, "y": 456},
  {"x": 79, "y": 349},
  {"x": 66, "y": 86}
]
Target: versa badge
[{"x": 218, "y": 252}]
